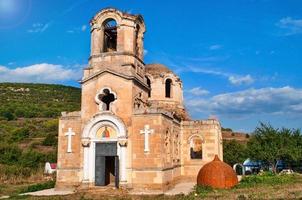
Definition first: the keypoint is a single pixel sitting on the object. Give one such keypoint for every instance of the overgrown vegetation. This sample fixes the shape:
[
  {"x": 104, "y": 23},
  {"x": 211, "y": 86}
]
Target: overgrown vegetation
[
  {"x": 264, "y": 186},
  {"x": 267, "y": 144},
  {"x": 234, "y": 152},
  {"x": 267, "y": 178},
  {"x": 271, "y": 144},
  {"x": 20, "y": 100},
  {"x": 29, "y": 126}
]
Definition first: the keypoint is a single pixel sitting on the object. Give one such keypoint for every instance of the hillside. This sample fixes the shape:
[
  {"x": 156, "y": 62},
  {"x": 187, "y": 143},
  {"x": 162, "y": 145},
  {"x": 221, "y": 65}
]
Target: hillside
[
  {"x": 37, "y": 100},
  {"x": 29, "y": 125},
  {"x": 242, "y": 138}
]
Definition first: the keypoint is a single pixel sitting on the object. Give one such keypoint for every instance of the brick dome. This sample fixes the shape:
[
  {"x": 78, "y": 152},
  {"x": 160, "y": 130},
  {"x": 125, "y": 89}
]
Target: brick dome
[
  {"x": 217, "y": 174},
  {"x": 157, "y": 70}
]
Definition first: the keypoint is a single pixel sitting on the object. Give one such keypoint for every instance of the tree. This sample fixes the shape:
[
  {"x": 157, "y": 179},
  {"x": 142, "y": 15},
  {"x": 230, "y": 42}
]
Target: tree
[
  {"x": 233, "y": 152},
  {"x": 270, "y": 144}
]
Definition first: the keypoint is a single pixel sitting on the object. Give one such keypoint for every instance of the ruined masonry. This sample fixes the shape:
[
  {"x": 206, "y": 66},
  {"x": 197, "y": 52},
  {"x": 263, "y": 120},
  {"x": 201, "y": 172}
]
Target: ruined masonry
[{"x": 133, "y": 130}]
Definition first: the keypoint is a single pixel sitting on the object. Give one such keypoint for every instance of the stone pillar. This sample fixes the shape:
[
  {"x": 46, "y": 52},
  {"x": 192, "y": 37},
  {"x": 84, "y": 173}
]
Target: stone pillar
[
  {"x": 123, "y": 149},
  {"x": 86, "y": 145},
  {"x": 97, "y": 39}
]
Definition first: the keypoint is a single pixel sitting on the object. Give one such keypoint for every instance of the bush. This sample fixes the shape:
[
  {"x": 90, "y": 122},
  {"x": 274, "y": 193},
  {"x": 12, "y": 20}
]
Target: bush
[
  {"x": 50, "y": 140},
  {"x": 14, "y": 171},
  {"x": 20, "y": 134},
  {"x": 8, "y": 115},
  {"x": 234, "y": 152},
  {"x": 38, "y": 187},
  {"x": 9, "y": 154},
  {"x": 51, "y": 157},
  {"x": 32, "y": 159},
  {"x": 51, "y": 125}
]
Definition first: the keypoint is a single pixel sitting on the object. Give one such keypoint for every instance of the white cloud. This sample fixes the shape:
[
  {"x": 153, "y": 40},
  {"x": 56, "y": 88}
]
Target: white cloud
[
  {"x": 145, "y": 52},
  {"x": 198, "y": 91},
  {"x": 83, "y": 28},
  {"x": 215, "y": 47},
  {"x": 2, "y": 69},
  {"x": 41, "y": 73},
  {"x": 277, "y": 101},
  {"x": 239, "y": 80},
  {"x": 38, "y": 28},
  {"x": 293, "y": 26},
  {"x": 234, "y": 79}
]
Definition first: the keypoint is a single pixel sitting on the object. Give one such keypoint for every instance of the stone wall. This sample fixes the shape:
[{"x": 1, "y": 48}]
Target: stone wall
[
  {"x": 69, "y": 166},
  {"x": 158, "y": 168},
  {"x": 210, "y": 133}
]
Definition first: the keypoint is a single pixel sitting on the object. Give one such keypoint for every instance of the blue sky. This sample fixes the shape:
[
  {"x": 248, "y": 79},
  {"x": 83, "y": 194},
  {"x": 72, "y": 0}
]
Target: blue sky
[{"x": 240, "y": 61}]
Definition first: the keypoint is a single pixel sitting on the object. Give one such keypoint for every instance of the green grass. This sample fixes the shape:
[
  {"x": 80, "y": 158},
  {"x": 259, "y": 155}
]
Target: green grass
[
  {"x": 254, "y": 187},
  {"x": 267, "y": 179},
  {"x": 38, "y": 187}
]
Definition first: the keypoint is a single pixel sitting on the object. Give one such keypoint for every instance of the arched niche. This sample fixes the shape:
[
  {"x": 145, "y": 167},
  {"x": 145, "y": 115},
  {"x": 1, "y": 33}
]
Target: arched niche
[
  {"x": 168, "y": 88},
  {"x": 148, "y": 80},
  {"x": 196, "y": 146}
]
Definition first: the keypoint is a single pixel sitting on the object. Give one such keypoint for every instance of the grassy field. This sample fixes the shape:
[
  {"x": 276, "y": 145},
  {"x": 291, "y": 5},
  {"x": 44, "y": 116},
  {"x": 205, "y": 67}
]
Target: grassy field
[{"x": 267, "y": 186}]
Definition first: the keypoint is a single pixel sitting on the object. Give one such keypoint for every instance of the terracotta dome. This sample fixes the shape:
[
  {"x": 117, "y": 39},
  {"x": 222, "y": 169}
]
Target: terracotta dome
[
  {"x": 157, "y": 69},
  {"x": 217, "y": 174}
]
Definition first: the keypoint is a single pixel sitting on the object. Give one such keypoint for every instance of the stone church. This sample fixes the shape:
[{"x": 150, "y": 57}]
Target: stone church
[{"x": 133, "y": 130}]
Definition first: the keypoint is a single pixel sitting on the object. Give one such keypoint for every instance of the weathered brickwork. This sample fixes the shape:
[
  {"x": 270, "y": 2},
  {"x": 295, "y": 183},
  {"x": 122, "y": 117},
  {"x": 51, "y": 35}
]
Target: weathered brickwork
[{"x": 137, "y": 107}]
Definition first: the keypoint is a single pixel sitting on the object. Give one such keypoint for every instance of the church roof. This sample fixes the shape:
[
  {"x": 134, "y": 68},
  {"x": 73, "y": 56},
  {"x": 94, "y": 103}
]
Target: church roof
[
  {"x": 157, "y": 69},
  {"x": 217, "y": 174}
]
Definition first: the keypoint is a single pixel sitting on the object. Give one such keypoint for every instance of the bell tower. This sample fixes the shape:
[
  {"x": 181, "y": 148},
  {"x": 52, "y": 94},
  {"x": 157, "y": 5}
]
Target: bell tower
[{"x": 116, "y": 44}]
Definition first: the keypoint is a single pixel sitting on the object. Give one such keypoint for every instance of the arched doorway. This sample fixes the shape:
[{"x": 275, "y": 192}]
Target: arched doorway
[{"x": 105, "y": 147}]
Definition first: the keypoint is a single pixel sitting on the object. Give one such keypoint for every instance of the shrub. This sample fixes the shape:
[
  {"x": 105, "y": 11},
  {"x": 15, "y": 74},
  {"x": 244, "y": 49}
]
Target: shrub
[
  {"x": 15, "y": 171},
  {"x": 8, "y": 115},
  {"x": 234, "y": 152},
  {"x": 50, "y": 140},
  {"x": 9, "y": 154},
  {"x": 51, "y": 125},
  {"x": 51, "y": 157},
  {"x": 38, "y": 186},
  {"x": 20, "y": 134},
  {"x": 32, "y": 159}
]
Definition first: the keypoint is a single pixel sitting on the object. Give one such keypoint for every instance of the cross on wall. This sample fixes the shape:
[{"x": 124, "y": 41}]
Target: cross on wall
[
  {"x": 69, "y": 134},
  {"x": 146, "y": 131}
]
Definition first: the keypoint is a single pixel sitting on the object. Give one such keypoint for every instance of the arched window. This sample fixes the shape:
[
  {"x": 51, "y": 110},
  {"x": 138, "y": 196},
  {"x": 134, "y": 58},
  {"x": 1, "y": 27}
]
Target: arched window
[
  {"x": 149, "y": 84},
  {"x": 168, "y": 88},
  {"x": 110, "y": 35},
  {"x": 196, "y": 147}
]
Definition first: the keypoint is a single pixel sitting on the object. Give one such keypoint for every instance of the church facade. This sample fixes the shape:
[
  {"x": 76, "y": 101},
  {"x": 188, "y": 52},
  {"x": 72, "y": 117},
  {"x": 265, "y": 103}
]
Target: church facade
[{"x": 133, "y": 130}]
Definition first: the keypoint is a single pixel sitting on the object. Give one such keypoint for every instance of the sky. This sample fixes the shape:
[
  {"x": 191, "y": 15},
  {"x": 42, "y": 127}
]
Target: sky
[{"x": 240, "y": 61}]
